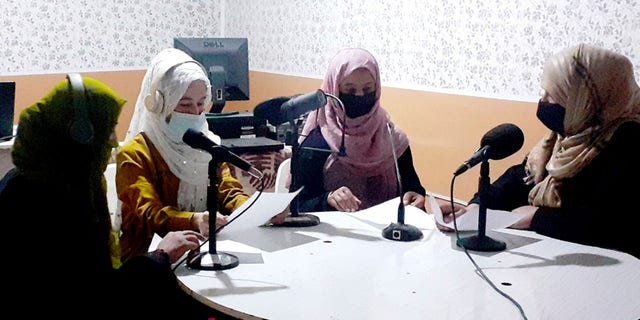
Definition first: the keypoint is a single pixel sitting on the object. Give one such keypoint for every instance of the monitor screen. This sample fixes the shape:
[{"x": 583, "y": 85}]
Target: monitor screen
[{"x": 227, "y": 63}]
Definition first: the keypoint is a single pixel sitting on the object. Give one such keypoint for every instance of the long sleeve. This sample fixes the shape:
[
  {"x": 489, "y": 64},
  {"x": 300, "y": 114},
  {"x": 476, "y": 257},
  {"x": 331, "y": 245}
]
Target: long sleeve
[
  {"x": 149, "y": 190},
  {"x": 313, "y": 197},
  {"x": 408, "y": 174},
  {"x": 595, "y": 203}
]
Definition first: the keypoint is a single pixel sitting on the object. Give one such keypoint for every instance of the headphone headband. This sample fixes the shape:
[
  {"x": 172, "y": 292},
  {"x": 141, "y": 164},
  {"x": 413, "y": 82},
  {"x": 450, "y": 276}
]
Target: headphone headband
[{"x": 80, "y": 128}]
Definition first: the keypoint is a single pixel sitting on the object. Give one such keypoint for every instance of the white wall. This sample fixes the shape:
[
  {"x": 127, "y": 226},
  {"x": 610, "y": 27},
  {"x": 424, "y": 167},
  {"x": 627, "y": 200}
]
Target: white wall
[{"x": 488, "y": 48}]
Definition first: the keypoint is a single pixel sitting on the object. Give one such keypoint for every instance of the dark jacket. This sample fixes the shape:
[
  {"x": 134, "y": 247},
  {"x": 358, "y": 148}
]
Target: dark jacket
[
  {"x": 309, "y": 173},
  {"x": 597, "y": 204}
]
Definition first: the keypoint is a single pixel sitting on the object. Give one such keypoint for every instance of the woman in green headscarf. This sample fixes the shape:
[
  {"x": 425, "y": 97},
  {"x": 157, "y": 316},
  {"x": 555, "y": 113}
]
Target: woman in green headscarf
[{"x": 66, "y": 258}]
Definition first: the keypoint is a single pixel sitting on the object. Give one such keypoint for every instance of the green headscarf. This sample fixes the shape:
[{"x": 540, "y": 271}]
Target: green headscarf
[
  {"x": 44, "y": 149},
  {"x": 43, "y": 146}
]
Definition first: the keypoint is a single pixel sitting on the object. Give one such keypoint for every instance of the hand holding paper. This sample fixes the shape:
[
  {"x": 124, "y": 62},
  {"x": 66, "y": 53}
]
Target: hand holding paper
[
  {"x": 268, "y": 205},
  {"x": 496, "y": 219}
]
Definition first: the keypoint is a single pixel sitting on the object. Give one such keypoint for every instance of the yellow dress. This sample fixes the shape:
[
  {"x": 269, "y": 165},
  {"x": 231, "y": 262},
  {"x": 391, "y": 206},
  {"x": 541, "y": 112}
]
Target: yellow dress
[{"x": 148, "y": 191}]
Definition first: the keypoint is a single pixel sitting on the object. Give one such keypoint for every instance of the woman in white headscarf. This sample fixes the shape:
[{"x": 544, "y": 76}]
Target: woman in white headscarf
[
  {"x": 161, "y": 181},
  {"x": 581, "y": 174}
]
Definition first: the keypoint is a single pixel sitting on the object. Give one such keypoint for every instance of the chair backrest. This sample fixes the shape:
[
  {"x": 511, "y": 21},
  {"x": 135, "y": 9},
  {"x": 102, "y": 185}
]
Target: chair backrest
[{"x": 281, "y": 177}]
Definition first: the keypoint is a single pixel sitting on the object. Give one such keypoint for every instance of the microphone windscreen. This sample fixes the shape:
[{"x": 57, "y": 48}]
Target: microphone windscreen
[
  {"x": 503, "y": 140},
  {"x": 270, "y": 110}
]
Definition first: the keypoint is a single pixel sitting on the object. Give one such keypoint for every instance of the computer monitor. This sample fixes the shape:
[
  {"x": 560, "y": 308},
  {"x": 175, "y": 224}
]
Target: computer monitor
[
  {"x": 227, "y": 63},
  {"x": 7, "y": 105}
]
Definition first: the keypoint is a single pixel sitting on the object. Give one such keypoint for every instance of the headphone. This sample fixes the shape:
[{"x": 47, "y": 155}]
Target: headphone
[
  {"x": 154, "y": 101},
  {"x": 80, "y": 128}
]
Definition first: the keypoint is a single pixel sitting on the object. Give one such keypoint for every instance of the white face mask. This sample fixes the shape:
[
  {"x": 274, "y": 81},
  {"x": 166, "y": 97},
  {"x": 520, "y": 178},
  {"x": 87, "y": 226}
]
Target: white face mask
[{"x": 180, "y": 122}]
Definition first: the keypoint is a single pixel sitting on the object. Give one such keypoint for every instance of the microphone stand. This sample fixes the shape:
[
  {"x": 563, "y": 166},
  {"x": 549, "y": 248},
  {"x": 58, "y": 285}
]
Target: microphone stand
[
  {"x": 212, "y": 260},
  {"x": 296, "y": 219},
  {"x": 481, "y": 242},
  {"x": 399, "y": 231}
]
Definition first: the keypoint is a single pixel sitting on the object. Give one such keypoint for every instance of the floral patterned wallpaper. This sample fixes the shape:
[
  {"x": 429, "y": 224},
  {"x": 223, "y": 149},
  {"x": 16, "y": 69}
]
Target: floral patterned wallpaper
[
  {"x": 56, "y": 36},
  {"x": 491, "y": 48}
]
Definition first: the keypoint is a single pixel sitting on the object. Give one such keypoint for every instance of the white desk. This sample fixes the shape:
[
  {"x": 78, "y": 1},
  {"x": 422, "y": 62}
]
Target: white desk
[{"x": 344, "y": 269}]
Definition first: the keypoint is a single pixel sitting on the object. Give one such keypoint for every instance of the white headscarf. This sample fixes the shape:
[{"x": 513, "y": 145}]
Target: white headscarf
[{"x": 165, "y": 82}]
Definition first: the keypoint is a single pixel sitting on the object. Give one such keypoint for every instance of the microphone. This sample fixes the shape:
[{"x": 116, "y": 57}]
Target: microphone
[
  {"x": 498, "y": 143},
  {"x": 270, "y": 110},
  {"x": 399, "y": 231},
  {"x": 302, "y": 104},
  {"x": 199, "y": 140},
  {"x": 282, "y": 109}
]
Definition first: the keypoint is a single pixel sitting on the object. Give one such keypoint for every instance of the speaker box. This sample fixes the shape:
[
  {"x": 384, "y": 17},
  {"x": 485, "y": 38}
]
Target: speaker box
[{"x": 232, "y": 125}]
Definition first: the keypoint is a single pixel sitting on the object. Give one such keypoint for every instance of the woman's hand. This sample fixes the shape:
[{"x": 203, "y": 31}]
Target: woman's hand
[
  {"x": 343, "y": 200},
  {"x": 448, "y": 213},
  {"x": 525, "y": 222},
  {"x": 280, "y": 217},
  {"x": 176, "y": 243},
  {"x": 412, "y": 198},
  {"x": 200, "y": 222}
]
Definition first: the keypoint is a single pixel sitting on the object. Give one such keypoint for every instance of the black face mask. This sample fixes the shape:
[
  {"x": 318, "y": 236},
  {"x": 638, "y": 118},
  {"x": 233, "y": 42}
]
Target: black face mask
[
  {"x": 357, "y": 106},
  {"x": 552, "y": 116}
]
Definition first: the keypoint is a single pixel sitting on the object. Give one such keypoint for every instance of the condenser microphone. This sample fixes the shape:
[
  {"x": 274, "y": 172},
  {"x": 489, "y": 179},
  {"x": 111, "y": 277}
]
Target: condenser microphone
[
  {"x": 199, "y": 140},
  {"x": 282, "y": 109},
  {"x": 299, "y": 105},
  {"x": 270, "y": 110},
  {"x": 399, "y": 231},
  {"x": 498, "y": 143}
]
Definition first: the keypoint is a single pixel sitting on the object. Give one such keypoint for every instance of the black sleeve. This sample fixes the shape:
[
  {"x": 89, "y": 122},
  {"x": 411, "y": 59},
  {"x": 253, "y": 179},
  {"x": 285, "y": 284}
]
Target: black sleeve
[
  {"x": 149, "y": 290},
  {"x": 408, "y": 174},
  {"x": 508, "y": 191},
  {"x": 597, "y": 201},
  {"x": 313, "y": 198}
]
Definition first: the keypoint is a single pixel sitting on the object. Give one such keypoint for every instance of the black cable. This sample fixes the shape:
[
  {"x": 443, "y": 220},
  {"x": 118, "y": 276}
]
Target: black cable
[
  {"x": 478, "y": 269},
  {"x": 181, "y": 261}
]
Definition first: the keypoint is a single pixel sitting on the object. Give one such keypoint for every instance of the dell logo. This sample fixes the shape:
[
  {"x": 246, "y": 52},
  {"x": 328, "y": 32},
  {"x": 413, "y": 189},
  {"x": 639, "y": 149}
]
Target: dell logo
[{"x": 216, "y": 44}]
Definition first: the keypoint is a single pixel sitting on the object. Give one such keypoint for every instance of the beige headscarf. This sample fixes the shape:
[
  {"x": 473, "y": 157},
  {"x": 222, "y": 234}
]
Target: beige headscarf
[
  {"x": 165, "y": 82},
  {"x": 599, "y": 92}
]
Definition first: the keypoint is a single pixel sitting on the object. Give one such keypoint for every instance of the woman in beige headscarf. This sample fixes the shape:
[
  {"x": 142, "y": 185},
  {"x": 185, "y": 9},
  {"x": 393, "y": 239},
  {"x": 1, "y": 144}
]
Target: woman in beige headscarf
[{"x": 582, "y": 172}]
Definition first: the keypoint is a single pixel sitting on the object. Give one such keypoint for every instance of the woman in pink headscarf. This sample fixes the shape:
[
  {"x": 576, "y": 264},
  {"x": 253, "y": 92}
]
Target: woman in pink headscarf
[
  {"x": 581, "y": 174},
  {"x": 366, "y": 175}
]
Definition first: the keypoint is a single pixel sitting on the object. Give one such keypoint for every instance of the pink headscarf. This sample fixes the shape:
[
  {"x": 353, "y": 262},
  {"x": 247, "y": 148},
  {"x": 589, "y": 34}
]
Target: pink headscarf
[{"x": 368, "y": 169}]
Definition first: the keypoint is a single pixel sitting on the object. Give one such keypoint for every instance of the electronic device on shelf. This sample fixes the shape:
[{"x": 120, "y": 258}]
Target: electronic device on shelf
[
  {"x": 241, "y": 132},
  {"x": 227, "y": 63}
]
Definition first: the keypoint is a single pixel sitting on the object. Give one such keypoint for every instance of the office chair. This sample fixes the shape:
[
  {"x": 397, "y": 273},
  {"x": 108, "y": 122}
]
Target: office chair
[{"x": 281, "y": 176}]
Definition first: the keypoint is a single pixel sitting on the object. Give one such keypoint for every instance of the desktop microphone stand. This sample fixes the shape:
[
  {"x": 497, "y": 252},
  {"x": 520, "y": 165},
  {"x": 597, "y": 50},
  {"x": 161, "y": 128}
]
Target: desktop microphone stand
[
  {"x": 296, "y": 219},
  {"x": 481, "y": 242},
  {"x": 212, "y": 260},
  {"x": 399, "y": 231}
]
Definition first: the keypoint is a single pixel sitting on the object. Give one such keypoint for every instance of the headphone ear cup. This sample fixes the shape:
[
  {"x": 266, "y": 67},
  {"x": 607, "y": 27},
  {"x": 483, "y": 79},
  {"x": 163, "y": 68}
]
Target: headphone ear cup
[
  {"x": 80, "y": 128},
  {"x": 155, "y": 102}
]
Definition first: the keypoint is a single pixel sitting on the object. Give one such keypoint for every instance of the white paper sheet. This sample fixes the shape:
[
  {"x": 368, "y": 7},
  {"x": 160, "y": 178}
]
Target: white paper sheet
[
  {"x": 380, "y": 214},
  {"x": 496, "y": 219},
  {"x": 267, "y": 205}
]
